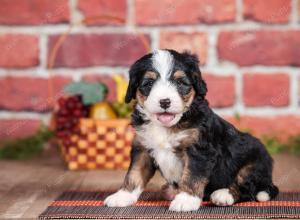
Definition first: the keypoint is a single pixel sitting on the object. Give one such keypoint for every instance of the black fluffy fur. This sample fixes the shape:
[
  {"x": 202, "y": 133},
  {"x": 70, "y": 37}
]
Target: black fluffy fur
[{"x": 222, "y": 150}]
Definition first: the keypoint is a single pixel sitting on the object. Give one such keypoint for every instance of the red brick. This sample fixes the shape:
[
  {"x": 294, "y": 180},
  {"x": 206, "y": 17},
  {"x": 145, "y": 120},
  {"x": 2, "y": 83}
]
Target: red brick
[
  {"x": 16, "y": 128},
  {"x": 266, "y": 89},
  {"x": 93, "y": 8},
  {"x": 221, "y": 91},
  {"x": 28, "y": 93},
  {"x": 33, "y": 12},
  {"x": 19, "y": 50},
  {"x": 281, "y": 126},
  {"x": 165, "y": 12},
  {"x": 260, "y": 47},
  {"x": 268, "y": 11},
  {"x": 195, "y": 42},
  {"x": 107, "y": 80},
  {"x": 81, "y": 50}
]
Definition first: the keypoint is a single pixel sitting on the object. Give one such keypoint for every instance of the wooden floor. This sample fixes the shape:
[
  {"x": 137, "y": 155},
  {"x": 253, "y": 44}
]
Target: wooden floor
[{"x": 27, "y": 187}]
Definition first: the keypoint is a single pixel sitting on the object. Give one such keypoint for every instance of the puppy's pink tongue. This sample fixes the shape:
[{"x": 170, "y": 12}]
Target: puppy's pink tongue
[{"x": 165, "y": 118}]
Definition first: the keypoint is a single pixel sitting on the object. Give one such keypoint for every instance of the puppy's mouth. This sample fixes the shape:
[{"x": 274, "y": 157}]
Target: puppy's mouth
[{"x": 165, "y": 117}]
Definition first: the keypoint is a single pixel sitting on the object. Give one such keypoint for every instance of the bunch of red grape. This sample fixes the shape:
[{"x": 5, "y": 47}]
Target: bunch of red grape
[{"x": 70, "y": 110}]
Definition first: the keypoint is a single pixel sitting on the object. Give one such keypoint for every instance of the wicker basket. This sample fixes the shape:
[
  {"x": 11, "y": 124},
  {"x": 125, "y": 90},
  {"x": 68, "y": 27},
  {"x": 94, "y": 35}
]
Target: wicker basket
[{"x": 101, "y": 144}]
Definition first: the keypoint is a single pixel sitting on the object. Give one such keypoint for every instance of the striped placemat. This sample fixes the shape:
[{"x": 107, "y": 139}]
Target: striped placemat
[{"x": 89, "y": 205}]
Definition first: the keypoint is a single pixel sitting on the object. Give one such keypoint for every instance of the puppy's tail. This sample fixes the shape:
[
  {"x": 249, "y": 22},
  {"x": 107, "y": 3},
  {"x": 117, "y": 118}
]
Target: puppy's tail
[
  {"x": 273, "y": 190},
  {"x": 269, "y": 193}
]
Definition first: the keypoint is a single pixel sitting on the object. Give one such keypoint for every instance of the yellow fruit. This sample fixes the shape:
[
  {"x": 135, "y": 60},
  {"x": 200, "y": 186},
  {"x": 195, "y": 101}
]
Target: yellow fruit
[
  {"x": 102, "y": 110},
  {"x": 122, "y": 85}
]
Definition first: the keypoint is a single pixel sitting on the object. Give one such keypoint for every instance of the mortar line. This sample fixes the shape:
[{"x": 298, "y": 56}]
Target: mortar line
[
  {"x": 246, "y": 25},
  {"x": 239, "y": 10},
  {"x": 219, "y": 70},
  {"x": 294, "y": 12},
  {"x": 130, "y": 15},
  {"x": 212, "y": 55}
]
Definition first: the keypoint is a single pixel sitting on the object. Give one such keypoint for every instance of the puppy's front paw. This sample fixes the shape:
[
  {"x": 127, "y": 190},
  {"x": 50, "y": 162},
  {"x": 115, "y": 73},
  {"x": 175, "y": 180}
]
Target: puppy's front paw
[
  {"x": 121, "y": 198},
  {"x": 222, "y": 197},
  {"x": 185, "y": 202}
]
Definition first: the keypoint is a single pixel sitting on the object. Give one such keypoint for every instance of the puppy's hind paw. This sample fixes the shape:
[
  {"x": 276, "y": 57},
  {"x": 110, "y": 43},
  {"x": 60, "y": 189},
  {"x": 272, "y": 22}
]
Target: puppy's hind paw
[
  {"x": 185, "y": 202},
  {"x": 121, "y": 198}
]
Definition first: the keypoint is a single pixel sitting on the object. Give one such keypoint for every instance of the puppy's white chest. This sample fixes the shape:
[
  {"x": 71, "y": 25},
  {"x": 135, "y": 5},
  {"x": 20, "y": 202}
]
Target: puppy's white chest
[
  {"x": 169, "y": 164},
  {"x": 162, "y": 142}
]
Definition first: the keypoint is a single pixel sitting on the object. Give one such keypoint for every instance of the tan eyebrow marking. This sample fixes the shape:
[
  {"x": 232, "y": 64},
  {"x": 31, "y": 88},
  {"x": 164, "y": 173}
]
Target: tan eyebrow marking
[
  {"x": 179, "y": 74},
  {"x": 151, "y": 75}
]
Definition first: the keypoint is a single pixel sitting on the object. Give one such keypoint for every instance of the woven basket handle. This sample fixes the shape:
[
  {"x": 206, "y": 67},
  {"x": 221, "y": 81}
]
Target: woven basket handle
[{"x": 62, "y": 38}]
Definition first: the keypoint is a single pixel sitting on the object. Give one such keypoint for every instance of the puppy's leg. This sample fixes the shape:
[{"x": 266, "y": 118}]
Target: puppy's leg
[
  {"x": 248, "y": 185},
  {"x": 253, "y": 182},
  {"x": 169, "y": 191},
  {"x": 258, "y": 184},
  {"x": 140, "y": 171},
  {"x": 228, "y": 196},
  {"x": 191, "y": 189}
]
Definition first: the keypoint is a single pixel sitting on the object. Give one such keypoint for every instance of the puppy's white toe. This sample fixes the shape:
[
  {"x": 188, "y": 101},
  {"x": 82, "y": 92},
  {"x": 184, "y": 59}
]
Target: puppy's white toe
[
  {"x": 184, "y": 202},
  {"x": 121, "y": 198},
  {"x": 262, "y": 196},
  {"x": 222, "y": 197}
]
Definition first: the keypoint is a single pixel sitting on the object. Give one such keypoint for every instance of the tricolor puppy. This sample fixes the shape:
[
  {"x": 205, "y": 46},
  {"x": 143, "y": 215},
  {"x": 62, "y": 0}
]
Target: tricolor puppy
[{"x": 200, "y": 155}]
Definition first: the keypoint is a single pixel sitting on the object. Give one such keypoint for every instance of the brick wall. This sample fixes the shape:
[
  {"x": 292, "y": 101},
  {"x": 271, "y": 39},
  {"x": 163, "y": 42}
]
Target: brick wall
[{"x": 249, "y": 51}]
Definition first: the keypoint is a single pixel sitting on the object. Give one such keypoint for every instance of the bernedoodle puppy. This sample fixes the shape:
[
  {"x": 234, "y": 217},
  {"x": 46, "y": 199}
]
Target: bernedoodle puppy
[{"x": 201, "y": 156}]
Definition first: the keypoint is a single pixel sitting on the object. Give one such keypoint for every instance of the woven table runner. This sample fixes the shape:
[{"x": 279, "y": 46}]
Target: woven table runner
[{"x": 89, "y": 205}]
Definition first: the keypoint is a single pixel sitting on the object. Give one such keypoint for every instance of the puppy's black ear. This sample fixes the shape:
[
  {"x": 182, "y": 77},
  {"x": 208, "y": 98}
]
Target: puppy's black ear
[
  {"x": 199, "y": 85},
  {"x": 192, "y": 62},
  {"x": 136, "y": 73},
  {"x": 133, "y": 84}
]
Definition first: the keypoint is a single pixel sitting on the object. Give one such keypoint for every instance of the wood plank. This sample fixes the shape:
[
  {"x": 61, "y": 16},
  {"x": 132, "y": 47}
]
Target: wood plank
[
  {"x": 287, "y": 171},
  {"x": 20, "y": 197},
  {"x": 103, "y": 179},
  {"x": 11, "y": 174},
  {"x": 62, "y": 182}
]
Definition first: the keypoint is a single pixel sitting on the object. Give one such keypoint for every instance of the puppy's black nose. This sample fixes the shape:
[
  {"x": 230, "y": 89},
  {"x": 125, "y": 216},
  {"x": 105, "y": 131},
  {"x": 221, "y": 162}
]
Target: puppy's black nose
[{"x": 165, "y": 103}]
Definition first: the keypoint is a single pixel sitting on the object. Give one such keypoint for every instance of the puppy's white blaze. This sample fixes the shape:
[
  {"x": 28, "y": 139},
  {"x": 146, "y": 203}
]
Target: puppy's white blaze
[
  {"x": 162, "y": 62},
  {"x": 222, "y": 197},
  {"x": 184, "y": 202},
  {"x": 262, "y": 196},
  {"x": 123, "y": 198}
]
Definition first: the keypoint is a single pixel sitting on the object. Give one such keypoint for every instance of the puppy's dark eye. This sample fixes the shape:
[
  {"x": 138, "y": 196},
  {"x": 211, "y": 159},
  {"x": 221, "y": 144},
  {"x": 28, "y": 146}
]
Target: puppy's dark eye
[
  {"x": 183, "y": 85},
  {"x": 147, "y": 83},
  {"x": 183, "y": 82},
  {"x": 146, "y": 86}
]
